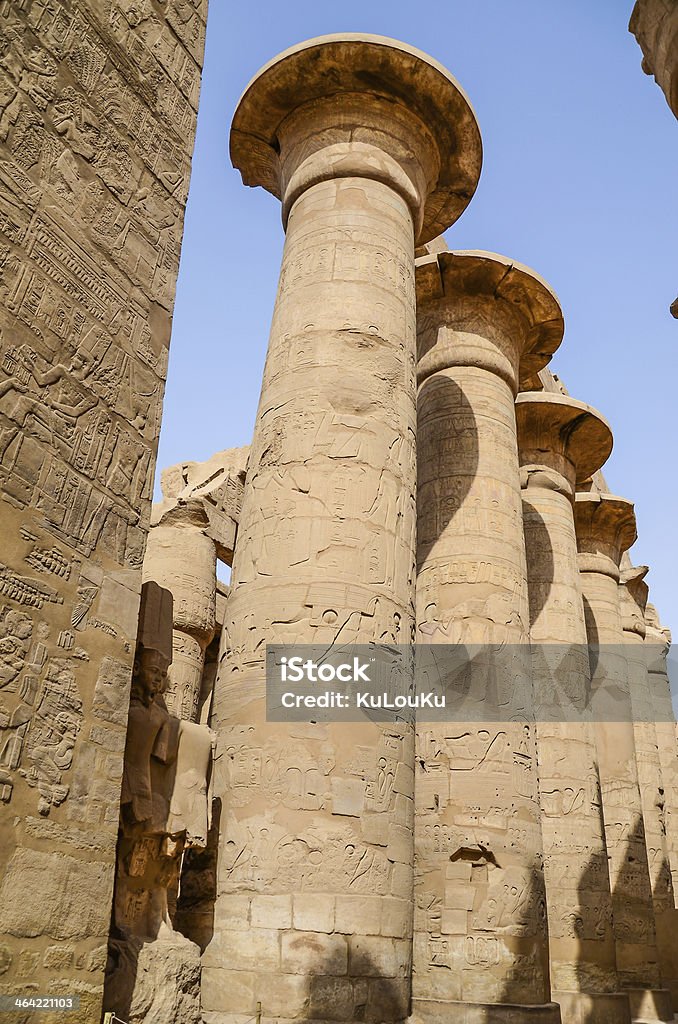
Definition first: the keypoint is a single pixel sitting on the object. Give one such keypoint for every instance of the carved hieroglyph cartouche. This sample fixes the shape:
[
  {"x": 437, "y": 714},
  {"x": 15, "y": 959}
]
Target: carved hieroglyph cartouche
[{"x": 98, "y": 108}]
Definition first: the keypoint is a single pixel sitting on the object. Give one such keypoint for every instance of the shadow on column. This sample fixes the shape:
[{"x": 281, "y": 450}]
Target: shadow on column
[
  {"x": 448, "y": 435},
  {"x": 635, "y": 936},
  {"x": 341, "y": 999},
  {"x": 591, "y": 925},
  {"x": 540, "y": 561},
  {"x": 522, "y": 981}
]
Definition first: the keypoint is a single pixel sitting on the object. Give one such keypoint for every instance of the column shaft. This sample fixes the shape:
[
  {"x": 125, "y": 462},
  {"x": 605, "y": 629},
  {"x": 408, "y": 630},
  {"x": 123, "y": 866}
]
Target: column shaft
[
  {"x": 560, "y": 439},
  {"x": 183, "y": 559},
  {"x": 633, "y": 917},
  {"x": 319, "y": 828},
  {"x": 480, "y": 942},
  {"x": 633, "y": 597}
]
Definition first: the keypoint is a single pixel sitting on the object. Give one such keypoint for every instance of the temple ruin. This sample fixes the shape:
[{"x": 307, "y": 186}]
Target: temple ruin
[{"x": 417, "y": 479}]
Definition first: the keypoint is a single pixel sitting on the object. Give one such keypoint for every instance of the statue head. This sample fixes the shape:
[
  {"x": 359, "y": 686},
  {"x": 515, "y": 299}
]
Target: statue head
[{"x": 149, "y": 674}]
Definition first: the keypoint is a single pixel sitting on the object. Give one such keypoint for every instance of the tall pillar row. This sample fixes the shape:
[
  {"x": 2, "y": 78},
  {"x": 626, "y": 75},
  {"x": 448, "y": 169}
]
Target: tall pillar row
[
  {"x": 480, "y": 944},
  {"x": 606, "y": 528},
  {"x": 562, "y": 442},
  {"x": 372, "y": 149},
  {"x": 371, "y": 146},
  {"x": 633, "y": 593}
]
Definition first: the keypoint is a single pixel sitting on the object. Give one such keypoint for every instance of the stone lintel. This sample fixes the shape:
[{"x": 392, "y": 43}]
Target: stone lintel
[
  {"x": 515, "y": 288},
  {"x": 554, "y": 428},
  {"x": 606, "y": 528},
  {"x": 378, "y": 70}
]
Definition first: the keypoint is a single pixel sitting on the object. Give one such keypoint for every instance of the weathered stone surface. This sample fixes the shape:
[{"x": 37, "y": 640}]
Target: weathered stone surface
[
  {"x": 98, "y": 108},
  {"x": 372, "y": 149},
  {"x": 51, "y": 894},
  {"x": 166, "y": 977},
  {"x": 193, "y": 525}
]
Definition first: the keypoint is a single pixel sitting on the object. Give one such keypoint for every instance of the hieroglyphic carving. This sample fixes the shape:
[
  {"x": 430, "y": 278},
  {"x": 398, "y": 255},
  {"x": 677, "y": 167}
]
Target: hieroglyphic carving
[{"x": 97, "y": 118}]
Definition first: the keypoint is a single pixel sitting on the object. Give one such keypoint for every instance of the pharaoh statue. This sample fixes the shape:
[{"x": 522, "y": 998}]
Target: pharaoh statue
[{"x": 153, "y": 972}]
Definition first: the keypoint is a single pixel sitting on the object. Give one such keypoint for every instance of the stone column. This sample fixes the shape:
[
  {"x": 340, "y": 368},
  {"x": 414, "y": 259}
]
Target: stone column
[
  {"x": 562, "y": 442},
  {"x": 371, "y": 146},
  {"x": 605, "y": 529},
  {"x": 194, "y": 525},
  {"x": 633, "y": 594},
  {"x": 480, "y": 939},
  {"x": 182, "y": 558}
]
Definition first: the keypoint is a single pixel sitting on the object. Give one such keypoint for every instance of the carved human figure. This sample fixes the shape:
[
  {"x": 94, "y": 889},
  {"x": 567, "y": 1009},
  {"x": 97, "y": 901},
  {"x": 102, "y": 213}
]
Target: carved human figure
[
  {"x": 151, "y": 733},
  {"x": 165, "y": 809},
  {"x": 164, "y": 801}
]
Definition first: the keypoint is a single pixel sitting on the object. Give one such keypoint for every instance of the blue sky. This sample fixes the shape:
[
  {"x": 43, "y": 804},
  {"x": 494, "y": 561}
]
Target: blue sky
[{"x": 579, "y": 182}]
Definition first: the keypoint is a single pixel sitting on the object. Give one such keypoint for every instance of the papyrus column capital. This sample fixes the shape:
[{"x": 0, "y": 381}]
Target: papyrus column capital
[
  {"x": 360, "y": 106},
  {"x": 557, "y": 433},
  {"x": 606, "y": 528},
  {"x": 481, "y": 309}
]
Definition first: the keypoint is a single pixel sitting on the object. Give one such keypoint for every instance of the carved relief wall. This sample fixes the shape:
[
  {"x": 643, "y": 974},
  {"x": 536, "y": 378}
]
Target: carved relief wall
[{"x": 98, "y": 106}]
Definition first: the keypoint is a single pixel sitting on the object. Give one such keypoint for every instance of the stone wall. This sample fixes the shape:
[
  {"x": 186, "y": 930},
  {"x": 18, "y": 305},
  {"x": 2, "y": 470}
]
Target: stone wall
[{"x": 98, "y": 102}]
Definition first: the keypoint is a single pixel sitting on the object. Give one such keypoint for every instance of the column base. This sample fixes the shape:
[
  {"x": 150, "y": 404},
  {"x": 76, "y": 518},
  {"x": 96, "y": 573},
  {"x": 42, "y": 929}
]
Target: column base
[
  {"x": 649, "y": 1005},
  {"x": 434, "y": 1011},
  {"x": 593, "y": 1008}
]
